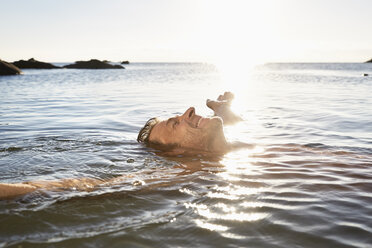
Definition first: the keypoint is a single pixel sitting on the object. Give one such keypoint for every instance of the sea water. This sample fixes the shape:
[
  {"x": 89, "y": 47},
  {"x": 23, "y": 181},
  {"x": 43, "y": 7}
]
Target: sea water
[{"x": 304, "y": 181}]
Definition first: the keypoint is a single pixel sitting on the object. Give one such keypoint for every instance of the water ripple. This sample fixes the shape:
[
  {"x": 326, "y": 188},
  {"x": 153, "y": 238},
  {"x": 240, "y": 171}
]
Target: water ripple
[{"x": 304, "y": 180}]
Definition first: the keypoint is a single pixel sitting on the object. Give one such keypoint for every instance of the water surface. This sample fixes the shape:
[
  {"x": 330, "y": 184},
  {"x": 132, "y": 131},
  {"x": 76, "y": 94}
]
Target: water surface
[{"x": 306, "y": 181}]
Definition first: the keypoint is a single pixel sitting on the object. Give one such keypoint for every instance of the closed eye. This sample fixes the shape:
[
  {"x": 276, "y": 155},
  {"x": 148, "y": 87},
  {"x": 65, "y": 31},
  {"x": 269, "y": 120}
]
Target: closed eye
[{"x": 175, "y": 123}]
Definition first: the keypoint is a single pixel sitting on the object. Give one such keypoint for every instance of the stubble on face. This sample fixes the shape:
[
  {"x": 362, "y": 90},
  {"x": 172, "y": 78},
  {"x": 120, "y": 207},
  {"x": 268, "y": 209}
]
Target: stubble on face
[{"x": 210, "y": 138}]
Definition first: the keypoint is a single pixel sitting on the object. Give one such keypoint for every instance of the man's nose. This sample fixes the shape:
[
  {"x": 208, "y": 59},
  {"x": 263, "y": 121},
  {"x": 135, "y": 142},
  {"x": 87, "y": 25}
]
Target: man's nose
[{"x": 189, "y": 113}]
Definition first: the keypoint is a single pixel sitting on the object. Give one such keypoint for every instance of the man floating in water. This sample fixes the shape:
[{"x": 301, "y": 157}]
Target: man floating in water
[
  {"x": 191, "y": 132},
  {"x": 188, "y": 133}
]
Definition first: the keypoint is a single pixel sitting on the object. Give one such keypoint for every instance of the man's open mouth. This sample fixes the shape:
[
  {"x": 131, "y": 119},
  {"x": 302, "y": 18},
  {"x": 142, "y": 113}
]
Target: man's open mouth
[{"x": 198, "y": 123}]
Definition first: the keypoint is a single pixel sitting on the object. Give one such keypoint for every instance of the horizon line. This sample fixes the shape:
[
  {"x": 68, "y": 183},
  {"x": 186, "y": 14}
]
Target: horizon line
[{"x": 201, "y": 62}]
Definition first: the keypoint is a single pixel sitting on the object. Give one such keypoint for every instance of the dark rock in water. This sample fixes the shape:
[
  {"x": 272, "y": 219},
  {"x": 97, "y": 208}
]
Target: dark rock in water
[
  {"x": 8, "y": 68},
  {"x": 93, "y": 64},
  {"x": 126, "y": 62},
  {"x": 369, "y": 61},
  {"x": 33, "y": 64},
  {"x": 365, "y": 75},
  {"x": 130, "y": 160}
]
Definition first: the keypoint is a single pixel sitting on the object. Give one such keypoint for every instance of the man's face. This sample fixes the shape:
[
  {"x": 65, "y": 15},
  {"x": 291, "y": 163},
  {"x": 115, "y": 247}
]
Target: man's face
[{"x": 190, "y": 131}]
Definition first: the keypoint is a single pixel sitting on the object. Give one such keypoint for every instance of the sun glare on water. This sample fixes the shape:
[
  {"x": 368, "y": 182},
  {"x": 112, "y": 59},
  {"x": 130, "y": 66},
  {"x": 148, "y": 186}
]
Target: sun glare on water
[
  {"x": 212, "y": 217},
  {"x": 238, "y": 40}
]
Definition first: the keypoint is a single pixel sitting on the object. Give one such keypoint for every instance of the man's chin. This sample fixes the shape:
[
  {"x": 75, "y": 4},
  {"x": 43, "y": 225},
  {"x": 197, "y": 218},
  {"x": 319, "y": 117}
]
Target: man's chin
[
  {"x": 216, "y": 123},
  {"x": 216, "y": 137}
]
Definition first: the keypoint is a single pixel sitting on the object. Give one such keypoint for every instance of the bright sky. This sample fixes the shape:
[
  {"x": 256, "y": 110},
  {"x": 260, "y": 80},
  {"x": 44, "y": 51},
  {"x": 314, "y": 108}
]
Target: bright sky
[{"x": 252, "y": 31}]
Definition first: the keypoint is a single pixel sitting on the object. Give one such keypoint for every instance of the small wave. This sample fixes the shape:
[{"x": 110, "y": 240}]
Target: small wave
[{"x": 11, "y": 149}]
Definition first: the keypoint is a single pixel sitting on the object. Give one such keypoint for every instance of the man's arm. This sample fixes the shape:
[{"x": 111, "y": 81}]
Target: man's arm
[{"x": 8, "y": 190}]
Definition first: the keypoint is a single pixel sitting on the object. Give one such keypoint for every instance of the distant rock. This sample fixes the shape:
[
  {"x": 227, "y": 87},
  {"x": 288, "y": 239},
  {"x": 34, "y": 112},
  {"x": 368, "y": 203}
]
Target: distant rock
[
  {"x": 126, "y": 62},
  {"x": 93, "y": 64},
  {"x": 369, "y": 61},
  {"x": 365, "y": 75},
  {"x": 33, "y": 64},
  {"x": 8, "y": 68}
]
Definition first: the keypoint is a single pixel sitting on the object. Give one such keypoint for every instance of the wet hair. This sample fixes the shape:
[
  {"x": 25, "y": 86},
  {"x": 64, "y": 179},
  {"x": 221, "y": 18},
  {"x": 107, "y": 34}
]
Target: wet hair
[{"x": 144, "y": 133}]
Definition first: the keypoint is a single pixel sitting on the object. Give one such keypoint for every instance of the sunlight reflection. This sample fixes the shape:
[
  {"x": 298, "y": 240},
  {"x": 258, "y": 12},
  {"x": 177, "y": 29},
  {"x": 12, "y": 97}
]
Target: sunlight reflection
[
  {"x": 268, "y": 205},
  {"x": 209, "y": 226},
  {"x": 234, "y": 133},
  {"x": 233, "y": 192},
  {"x": 188, "y": 191},
  {"x": 232, "y": 236},
  {"x": 221, "y": 195},
  {"x": 205, "y": 211},
  {"x": 241, "y": 160},
  {"x": 237, "y": 164},
  {"x": 250, "y": 92}
]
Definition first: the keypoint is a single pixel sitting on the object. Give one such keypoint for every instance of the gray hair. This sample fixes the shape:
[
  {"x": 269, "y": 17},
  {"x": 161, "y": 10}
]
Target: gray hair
[{"x": 144, "y": 133}]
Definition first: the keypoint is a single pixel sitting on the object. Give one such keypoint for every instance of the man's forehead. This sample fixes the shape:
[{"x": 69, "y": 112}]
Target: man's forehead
[
  {"x": 158, "y": 131},
  {"x": 160, "y": 124}
]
